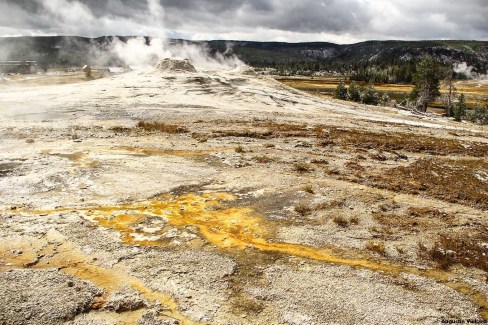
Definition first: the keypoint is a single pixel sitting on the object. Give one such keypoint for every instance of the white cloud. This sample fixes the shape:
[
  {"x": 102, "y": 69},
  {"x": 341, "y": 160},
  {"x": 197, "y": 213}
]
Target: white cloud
[{"x": 341, "y": 21}]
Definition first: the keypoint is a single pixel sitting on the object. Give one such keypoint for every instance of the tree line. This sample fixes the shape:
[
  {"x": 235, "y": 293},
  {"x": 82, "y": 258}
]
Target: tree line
[{"x": 427, "y": 79}]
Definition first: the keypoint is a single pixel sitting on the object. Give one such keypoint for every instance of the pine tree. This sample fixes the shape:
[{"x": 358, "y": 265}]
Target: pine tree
[
  {"x": 370, "y": 96},
  {"x": 341, "y": 91},
  {"x": 460, "y": 109},
  {"x": 353, "y": 92},
  {"x": 479, "y": 114},
  {"x": 427, "y": 81}
]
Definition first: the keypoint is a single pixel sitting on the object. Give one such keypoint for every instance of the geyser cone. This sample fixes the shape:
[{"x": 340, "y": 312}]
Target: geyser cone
[{"x": 174, "y": 65}]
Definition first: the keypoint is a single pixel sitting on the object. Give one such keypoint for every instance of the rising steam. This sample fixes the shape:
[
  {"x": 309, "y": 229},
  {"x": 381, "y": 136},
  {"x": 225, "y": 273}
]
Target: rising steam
[
  {"x": 135, "y": 52},
  {"x": 467, "y": 70}
]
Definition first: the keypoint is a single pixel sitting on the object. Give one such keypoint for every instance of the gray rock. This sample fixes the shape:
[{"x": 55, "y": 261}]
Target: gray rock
[{"x": 43, "y": 297}]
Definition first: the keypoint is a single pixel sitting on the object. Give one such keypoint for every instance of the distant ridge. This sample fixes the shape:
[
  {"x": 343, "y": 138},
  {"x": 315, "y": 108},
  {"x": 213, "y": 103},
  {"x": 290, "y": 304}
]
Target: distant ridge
[{"x": 63, "y": 51}]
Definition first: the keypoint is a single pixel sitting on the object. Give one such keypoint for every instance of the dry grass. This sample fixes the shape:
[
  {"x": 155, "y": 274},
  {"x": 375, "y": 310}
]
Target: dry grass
[
  {"x": 327, "y": 85},
  {"x": 429, "y": 213},
  {"x": 331, "y": 171},
  {"x": 239, "y": 149},
  {"x": 341, "y": 221},
  {"x": 284, "y": 129},
  {"x": 283, "y": 126},
  {"x": 467, "y": 249},
  {"x": 456, "y": 181},
  {"x": 353, "y": 166},
  {"x": 121, "y": 129},
  {"x": 395, "y": 220},
  {"x": 360, "y": 139},
  {"x": 200, "y": 137},
  {"x": 376, "y": 246},
  {"x": 320, "y": 161},
  {"x": 158, "y": 126},
  {"x": 354, "y": 220},
  {"x": 308, "y": 188},
  {"x": 302, "y": 168},
  {"x": 334, "y": 204},
  {"x": 246, "y": 133},
  {"x": 263, "y": 159},
  {"x": 415, "y": 219},
  {"x": 399, "y": 141},
  {"x": 266, "y": 130},
  {"x": 303, "y": 209},
  {"x": 344, "y": 222}
]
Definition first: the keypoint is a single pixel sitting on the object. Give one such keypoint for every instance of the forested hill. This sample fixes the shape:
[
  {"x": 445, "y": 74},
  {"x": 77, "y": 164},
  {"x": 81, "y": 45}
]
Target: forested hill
[
  {"x": 73, "y": 51},
  {"x": 472, "y": 52}
]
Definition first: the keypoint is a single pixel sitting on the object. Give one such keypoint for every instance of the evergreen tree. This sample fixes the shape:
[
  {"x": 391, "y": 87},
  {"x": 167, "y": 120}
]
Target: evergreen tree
[
  {"x": 370, "y": 96},
  {"x": 450, "y": 109},
  {"x": 427, "y": 81},
  {"x": 479, "y": 114},
  {"x": 341, "y": 91},
  {"x": 353, "y": 93},
  {"x": 460, "y": 109}
]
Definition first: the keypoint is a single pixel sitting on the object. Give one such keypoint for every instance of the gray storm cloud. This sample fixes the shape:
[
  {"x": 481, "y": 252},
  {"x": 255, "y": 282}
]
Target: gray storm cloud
[{"x": 293, "y": 20}]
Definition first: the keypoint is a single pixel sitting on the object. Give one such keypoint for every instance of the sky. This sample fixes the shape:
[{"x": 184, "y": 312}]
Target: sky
[{"x": 337, "y": 21}]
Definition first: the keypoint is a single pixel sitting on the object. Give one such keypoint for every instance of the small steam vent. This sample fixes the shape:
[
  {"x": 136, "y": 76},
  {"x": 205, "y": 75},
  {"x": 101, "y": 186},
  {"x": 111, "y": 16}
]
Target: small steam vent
[{"x": 174, "y": 65}]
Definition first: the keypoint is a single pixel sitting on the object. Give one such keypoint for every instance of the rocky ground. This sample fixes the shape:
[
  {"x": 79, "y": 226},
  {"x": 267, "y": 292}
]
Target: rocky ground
[{"x": 221, "y": 197}]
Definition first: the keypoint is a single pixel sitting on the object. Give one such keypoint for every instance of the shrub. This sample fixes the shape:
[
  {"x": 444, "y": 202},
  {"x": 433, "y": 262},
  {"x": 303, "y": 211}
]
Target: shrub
[
  {"x": 341, "y": 221},
  {"x": 460, "y": 111},
  {"x": 370, "y": 96},
  {"x": 341, "y": 91},
  {"x": 377, "y": 247},
  {"x": 478, "y": 114},
  {"x": 239, "y": 149},
  {"x": 353, "y": 92},
  {"x": 303, "y": 209},
  {"x": 301, "y": 168}
]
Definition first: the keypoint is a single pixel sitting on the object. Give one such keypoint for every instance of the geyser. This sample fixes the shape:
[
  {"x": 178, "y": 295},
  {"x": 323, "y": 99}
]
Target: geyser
[{"x": 175, "y": 65}]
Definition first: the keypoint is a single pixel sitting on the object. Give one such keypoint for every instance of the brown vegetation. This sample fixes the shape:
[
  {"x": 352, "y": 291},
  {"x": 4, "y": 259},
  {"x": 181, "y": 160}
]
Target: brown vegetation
[
  {"x": 344, "y": 222},
  {"x": 246, "y": 133},
  {"x": 334, "y": 204},
  {"x": 302, "y": 168},
  {"x": 376, "y": 246},
  {"x": 303, "y": 208},
  {"x": 467, "y": 249},
  {"x": 456, "y": 181},
  {"x": 158, "y": 126},
  {"x": 263, "y": 159},
  {"x": 400, "y": 141},
  {"x": 415, "y": 219},
  {"x": 361, "y": 139}
]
